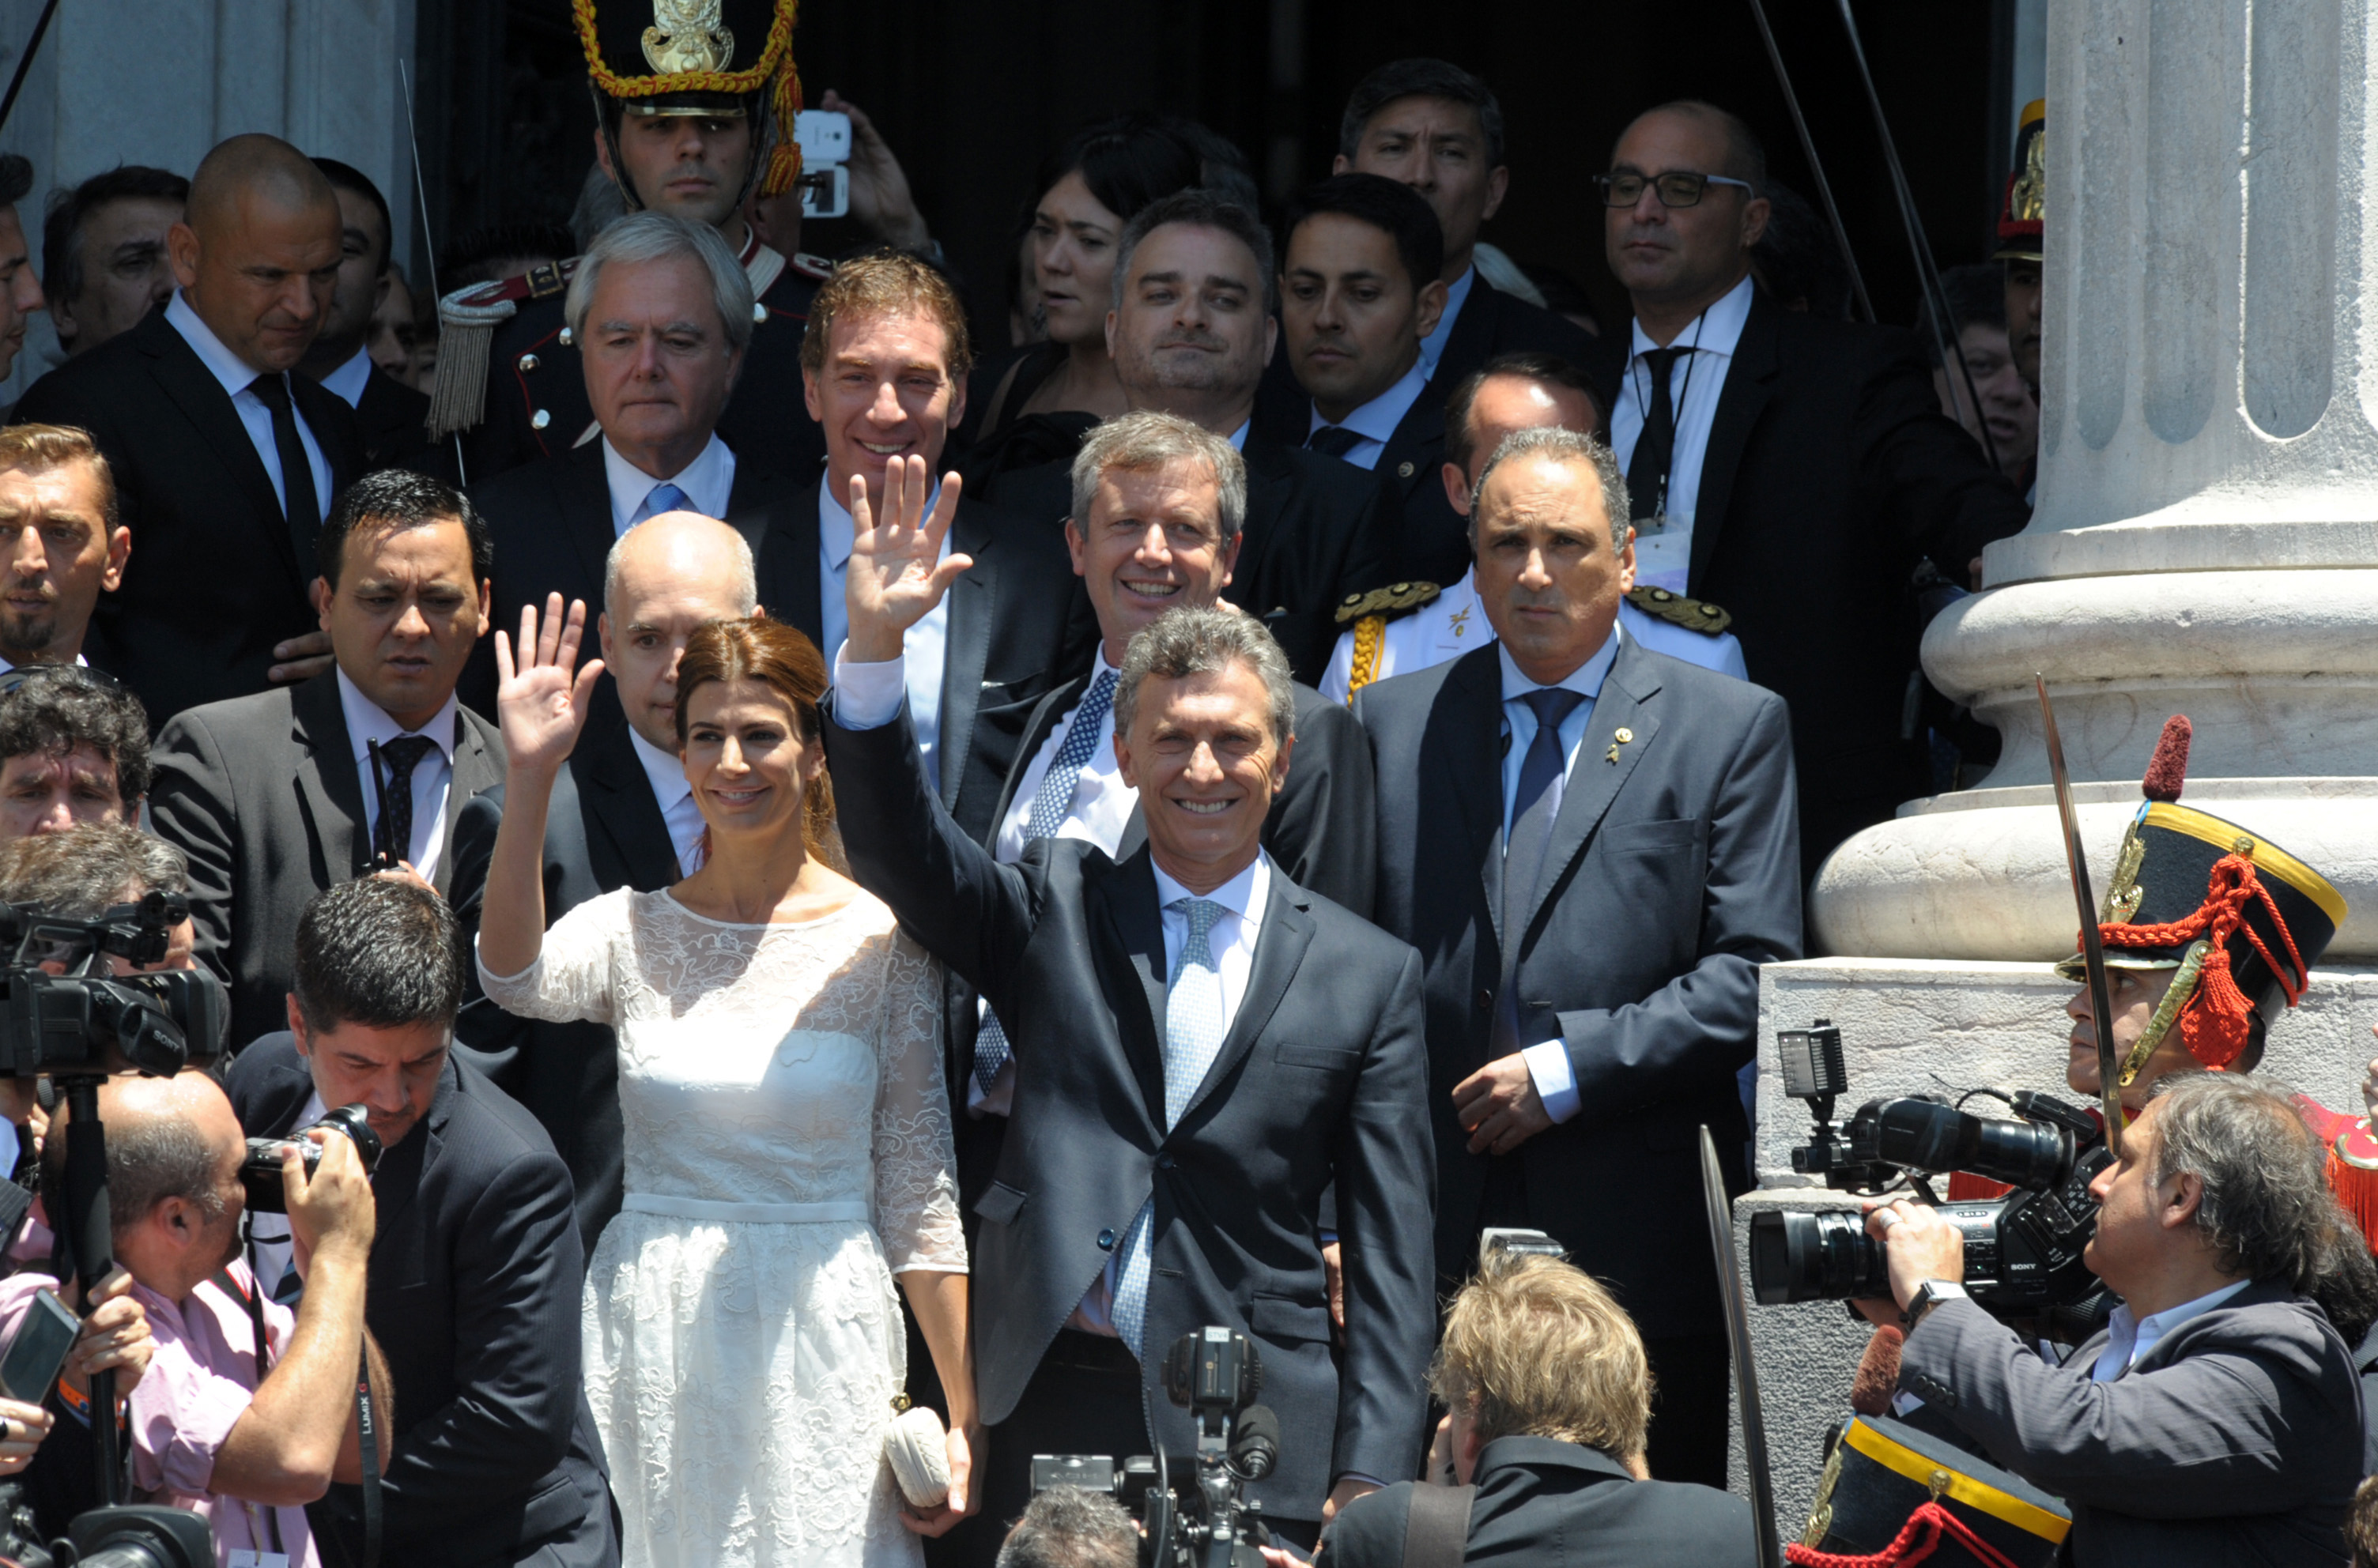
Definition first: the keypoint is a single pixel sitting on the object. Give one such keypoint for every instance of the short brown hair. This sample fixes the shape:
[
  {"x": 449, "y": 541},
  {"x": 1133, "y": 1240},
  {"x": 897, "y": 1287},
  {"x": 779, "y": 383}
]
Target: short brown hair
[
  {"x": 37, "y": 448},
  {"x": 886, "y": 283},
  {"x": 789, "y": 664},
  {"x": 1536, "y": 1347}
]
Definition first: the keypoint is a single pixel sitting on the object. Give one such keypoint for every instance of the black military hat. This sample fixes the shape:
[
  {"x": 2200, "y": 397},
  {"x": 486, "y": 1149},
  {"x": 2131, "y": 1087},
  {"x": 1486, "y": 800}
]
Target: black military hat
[
  {"x": 1892, "y": 1492},
  {"x": 709, "y": 57}
]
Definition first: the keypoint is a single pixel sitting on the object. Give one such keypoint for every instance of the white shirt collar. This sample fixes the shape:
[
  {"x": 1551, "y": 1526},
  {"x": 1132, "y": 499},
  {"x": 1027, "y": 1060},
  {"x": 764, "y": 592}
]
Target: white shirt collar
[
  {"x": 227, "y": 367},
  {"x": 1377, "y": 420},
  {"x": 837, "y": 529},
  {"x": 1243, "y": 895},
  {"x": 1719, "y": 330},
  {"x": 367, "y": 722},
  {"x": 1585, "y": 680},
  {"x": 349, "y": 379},
  {"x": 2127, "y": 1339},
  {"x": 1457, "y": 294},
  {"x": 667, "y": 771},
  {"x": 6, "y": 667},
  {"x": 707, "y": 482}
]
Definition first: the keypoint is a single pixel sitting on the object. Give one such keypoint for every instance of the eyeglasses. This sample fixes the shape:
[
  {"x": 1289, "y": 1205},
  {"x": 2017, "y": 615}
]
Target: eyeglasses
[{"x": 1677, "y": 188}]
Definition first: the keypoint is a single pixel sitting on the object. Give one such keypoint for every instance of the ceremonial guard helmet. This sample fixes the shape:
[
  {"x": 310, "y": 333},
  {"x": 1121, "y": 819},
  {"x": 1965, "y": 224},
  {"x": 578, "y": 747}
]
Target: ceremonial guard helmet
[
  {"x": 1893, "y": 1494},
  {"x": 2023, "y": 221},
  {"x": 697, "y": 57}
]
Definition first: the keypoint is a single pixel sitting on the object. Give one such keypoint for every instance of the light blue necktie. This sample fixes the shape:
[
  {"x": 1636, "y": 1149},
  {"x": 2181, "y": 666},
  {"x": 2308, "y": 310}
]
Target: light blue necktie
[
  {"x": 1193, "y": 1037},
  {"x": 661, "y": 498},
  {"x": 1054, "y": 799}
]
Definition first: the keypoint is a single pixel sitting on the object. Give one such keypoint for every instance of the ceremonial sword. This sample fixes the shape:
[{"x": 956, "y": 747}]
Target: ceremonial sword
[
  {"x": 1746, "y": 1374},
  {"x": 2093, "y": 952}
]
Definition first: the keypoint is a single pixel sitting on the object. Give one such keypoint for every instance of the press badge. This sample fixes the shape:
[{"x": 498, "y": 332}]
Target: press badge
[
  {"x": 1665, "y": 558},
  {"x": 246, "y": 1557}
]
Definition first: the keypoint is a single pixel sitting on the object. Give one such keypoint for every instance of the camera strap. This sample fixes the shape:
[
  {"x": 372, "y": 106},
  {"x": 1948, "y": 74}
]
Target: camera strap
[
  {"x": 367, "y": 1435},
  {"x": 1436, "y": 1525}
]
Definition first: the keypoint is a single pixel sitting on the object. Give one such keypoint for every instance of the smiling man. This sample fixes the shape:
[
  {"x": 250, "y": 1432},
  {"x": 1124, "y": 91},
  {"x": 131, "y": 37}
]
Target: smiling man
[
  {"x": 1203, "y": 1049},
  {"x": 279, "y": 795}
]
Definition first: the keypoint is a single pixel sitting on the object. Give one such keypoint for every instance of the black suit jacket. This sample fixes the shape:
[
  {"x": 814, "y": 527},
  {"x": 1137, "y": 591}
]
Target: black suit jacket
[
  {"x": 263, "y": 795},
  {"x": 1673, "y": 873},
  {"x": 1492, "y": 323},
  {"x": 215, "y": 578},
  {"x": 1544, "y": 1504},
  {"x": 1317, "y": 1081},
  {"x": 1830, "y": 471},
  {"x": 393, "y": 419},
  {"x": 474, "y": 1297},
  {"x": 603, "y": 830}
]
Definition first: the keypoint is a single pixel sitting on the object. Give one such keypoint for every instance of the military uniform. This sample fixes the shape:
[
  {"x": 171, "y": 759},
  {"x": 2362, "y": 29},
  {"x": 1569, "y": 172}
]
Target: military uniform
[
  {"x": 510, "y": 379},
  {"x": 1411, "y": 626}
]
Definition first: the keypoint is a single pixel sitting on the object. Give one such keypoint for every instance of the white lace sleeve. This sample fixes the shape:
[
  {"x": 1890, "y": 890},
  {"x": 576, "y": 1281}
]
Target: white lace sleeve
[
  {"x": 916, "y": 1180},
  {"x": 574, "y": 975}
]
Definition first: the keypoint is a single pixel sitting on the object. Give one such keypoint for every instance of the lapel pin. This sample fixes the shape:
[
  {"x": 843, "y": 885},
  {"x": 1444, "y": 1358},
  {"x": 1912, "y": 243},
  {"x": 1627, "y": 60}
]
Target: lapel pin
[{"x": 1621, "y": 739}]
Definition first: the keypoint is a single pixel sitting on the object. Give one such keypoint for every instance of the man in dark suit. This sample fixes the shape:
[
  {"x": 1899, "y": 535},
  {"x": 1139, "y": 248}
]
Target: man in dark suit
[
  {"x": 662, "y": 315},
  {"x": 280, "y": 795},
  {"x": 392, "y": 416},
  {"x": 473, "y": 1292},
  {"x": 104, "y": 261},
  {"x": 1548, "y": 1393},
  {"x": 1359, "y": 295},
  {"x": 1191, "y": 331},
  {"x": 1204, "y": 1050},
  {"x": 2216, "y": 1418},
  {"x": 1594, "y": 843},
  {"x": 225, "y": 465},
  {"x": 1791, "y": 469},
  {"x": 622, "y": 816}
]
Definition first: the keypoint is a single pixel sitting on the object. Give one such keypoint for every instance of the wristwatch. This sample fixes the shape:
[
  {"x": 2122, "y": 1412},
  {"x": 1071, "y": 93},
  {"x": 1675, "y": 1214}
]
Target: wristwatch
[{"x": 1928, "y": 1295}]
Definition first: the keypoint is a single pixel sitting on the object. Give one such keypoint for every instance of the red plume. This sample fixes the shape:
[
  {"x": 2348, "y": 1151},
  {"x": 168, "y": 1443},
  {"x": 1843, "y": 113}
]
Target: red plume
[{"x": 2168, "y": 771}]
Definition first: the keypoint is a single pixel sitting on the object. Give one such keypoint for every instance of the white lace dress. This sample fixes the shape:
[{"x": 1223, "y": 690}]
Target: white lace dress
[{"x": 788, "y": 1151}]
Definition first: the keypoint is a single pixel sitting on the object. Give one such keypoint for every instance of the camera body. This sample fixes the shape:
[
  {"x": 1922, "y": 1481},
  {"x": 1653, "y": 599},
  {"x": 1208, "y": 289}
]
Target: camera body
[
  {"x": 105, "y": 1538},
  {"x": 1215, "y": 1375},
  {"x": 88, "y": 1020},
  {"x": 259, "y": 1172},
  {"x": 2023, "y": 1253}
]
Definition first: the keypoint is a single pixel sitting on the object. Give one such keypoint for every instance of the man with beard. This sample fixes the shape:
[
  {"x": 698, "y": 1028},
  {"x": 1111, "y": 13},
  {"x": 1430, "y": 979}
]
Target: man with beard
[{"x": 60, "y": 540}]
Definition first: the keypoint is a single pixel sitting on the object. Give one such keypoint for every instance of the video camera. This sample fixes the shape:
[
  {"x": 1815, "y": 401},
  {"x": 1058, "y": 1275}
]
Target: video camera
[
  {"x": 2023, "y": 1251},
  {"x": 90, "y": 1022},
  {"x": 105, "y": 1538},
  {"x": 1215, "y": 1375},
  {"x": 260, "y": 1171}
]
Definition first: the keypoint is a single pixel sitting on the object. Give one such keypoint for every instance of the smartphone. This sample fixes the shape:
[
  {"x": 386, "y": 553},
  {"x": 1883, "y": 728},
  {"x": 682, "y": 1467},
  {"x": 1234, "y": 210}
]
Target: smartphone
[
  {"x": 824, "y": 138},
  {"x": 39, "y": 1349}
]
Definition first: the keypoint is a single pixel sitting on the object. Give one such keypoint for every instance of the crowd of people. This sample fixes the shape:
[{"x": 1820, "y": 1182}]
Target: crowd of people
[{"x": 867, "y": 888}]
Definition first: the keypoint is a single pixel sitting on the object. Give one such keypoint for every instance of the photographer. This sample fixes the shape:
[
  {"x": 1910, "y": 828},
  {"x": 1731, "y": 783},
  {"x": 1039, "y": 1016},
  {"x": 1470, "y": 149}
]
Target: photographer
[
  {"x": 2216, "y": 1418},
  {"x": 474, "y": 1278},
  {"x": 1071, "y": 1527},
  {"x": 1549, "y": 1394}
]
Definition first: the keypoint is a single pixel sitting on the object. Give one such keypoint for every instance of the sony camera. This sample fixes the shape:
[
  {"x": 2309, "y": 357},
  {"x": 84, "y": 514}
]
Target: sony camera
[
  {"x": 90, "y": 1022},
  {"x": 1201, "y": 1519},
  {"x": 2023, "y": 1251},
  {"x": 260, "y": 1171},
  {"x": 105, "y": 1538}
]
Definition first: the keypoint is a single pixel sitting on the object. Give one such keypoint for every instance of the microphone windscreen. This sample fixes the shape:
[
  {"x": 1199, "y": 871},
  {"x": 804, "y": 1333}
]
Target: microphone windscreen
[
  {"x": 1878, "y": 1373},
  {"x": 1255, "y": 1442}
]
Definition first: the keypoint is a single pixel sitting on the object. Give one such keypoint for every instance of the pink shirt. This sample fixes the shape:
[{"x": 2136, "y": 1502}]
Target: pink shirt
[{"x": 201, "y": 1379}]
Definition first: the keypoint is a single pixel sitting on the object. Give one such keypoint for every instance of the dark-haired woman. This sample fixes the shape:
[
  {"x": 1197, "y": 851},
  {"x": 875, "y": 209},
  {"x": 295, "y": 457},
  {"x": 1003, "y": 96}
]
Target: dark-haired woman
[{"x": 788, "y": 1135}]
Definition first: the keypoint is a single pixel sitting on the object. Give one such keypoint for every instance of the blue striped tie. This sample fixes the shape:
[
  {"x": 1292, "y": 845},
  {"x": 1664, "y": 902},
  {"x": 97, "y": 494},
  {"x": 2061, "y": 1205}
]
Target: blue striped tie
[{"x": 661, "y": 498}]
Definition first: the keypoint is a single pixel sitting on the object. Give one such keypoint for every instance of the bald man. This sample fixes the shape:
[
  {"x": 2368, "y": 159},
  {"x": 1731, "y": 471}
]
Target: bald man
[
  {"x": 622, "y": 816},
  {"x": 225, "y": 465}
]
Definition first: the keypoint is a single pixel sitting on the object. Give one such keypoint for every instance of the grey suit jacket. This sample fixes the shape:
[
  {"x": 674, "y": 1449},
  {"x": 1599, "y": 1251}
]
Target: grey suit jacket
[
  {"x": 263, "y": 795},
  {"x": 2236, "y": 1439}
]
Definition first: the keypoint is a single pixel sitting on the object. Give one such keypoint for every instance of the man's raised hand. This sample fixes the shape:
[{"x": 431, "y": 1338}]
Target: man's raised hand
[
  {"x": 896, "y": 574},
  {"x": 538, "y": 703}
]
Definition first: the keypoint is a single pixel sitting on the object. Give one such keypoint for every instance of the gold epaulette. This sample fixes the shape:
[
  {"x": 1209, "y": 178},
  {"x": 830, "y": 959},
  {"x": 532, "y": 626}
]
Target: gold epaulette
[
  {"x": 467, "y": 321},
  {"x": 1387, "y": 602},
  {"x": 1696, "y": 615}
]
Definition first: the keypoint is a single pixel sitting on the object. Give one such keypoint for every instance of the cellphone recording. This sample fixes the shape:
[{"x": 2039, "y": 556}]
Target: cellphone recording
[{"x": 38, "y": 1349}]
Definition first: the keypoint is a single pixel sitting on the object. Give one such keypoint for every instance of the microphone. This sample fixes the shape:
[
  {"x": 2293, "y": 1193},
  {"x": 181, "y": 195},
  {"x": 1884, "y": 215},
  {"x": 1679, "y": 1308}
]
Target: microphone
[{"x": 1254, "y": 1443}]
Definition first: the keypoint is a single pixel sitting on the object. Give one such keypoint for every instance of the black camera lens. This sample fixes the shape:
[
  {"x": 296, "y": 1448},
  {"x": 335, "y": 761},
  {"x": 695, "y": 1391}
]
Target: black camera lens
[
  {"x": 260, "y": 1173},
  {"x": 1927, "y": 1135},
  {"x": 1825, "y": 1256}
]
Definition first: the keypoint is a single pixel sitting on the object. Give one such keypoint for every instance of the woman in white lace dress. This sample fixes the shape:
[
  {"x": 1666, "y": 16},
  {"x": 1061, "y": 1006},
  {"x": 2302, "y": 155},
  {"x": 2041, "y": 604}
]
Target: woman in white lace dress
[{"x": 788, "y": 1134}]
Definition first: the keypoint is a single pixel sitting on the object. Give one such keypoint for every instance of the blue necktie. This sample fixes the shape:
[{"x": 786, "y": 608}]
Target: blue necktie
[
  {"x": 661, "y": 498},
  {"x": 1193, "y": 1037},
  {"x": 1050, "y": 806},
  {"x": 1529, "y": 835}
]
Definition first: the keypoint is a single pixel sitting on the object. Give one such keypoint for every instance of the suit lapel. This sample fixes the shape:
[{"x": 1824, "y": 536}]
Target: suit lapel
[
  {"x": 586, "y": 512},
  {"x": 780, "y": 521},
  {"x": 327, "y": 780},
  {"x": 965, "y": 647},
  {"x": 1472, "y": 341},
  {"x": 398, "y": 1181},
  {"x": 1465, "y": 744},
  {"x": 1422, "y": 422},
  {"x": 1268, "y": 482},
  {"x": 1594, "y": 781},
  {"x": 1749, "y": 381},
  {"x": 1132, "y": 924},
  {"x": 1045, "y": 714},
  {"x": 613, "y": 786},
  {"x": 478, "y": 767},
  {"x": 202, "y": 398},
  {"x": 1281, "y": 942}
]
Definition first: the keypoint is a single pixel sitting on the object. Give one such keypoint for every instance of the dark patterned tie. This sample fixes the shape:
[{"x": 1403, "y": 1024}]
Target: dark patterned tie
[
  {"x": 301, "y": 507},
  {"x": 1333, "y": 440},
  {"x": 1655, "y": 449},
  {"x": 404, "y": 754}
]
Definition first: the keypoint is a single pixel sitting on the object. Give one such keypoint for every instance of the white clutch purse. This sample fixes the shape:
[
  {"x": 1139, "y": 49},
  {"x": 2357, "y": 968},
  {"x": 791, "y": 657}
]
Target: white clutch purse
[{"x": 917, "y": 1447}]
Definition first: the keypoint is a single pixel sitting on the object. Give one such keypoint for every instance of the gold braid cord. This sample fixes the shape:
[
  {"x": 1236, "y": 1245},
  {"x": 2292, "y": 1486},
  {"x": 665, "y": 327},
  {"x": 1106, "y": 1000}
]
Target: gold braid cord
[
  {"x": 1370, "y": 633},
  {"x": 783, "y": 168}
]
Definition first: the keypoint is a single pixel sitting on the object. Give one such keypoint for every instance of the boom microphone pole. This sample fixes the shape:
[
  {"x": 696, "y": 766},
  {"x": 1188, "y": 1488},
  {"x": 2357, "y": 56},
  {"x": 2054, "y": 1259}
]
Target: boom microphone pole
[
  {"x": 428, "y": 241},
  {"x": 25, "y": 61},
  {"x": 1816, "y": 168}
]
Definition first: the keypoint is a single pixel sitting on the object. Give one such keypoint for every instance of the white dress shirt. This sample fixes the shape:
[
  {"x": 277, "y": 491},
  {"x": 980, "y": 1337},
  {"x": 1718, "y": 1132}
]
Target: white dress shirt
[
  {"x": 1376, "y": 420},
  {"x": 1547, "y": 1060},
  {"x": 1695, "y": 383},
  {"x": 1102, "y": 803},
  {"x": 917, "y": 671},
  {"x": 1457, "y": 294},
  {"x": 1233, "y": 943},
  {"x": 674, "y": 796},
  {"x": 367, "y": 722},
  {"x": 234, "y": 374},
  {"x": 347, "y": 382},
  {"x": 2128, "y": 1338},
  {"x": 707, "y": 481}
]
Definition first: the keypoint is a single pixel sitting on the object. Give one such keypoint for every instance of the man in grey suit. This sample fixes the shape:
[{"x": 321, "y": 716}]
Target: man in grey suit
[
  {"x": 279, "y": 795},
  {"x": 1595, "y": 847},
  {"x": 2216, "y": 1418}
]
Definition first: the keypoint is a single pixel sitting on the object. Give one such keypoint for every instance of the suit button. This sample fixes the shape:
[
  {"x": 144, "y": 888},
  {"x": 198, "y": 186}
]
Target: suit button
[
  {"x": 539, "y": 420},
  {"x": 567, "y": 338},
  {"x": 1164, "y": 1162},
  {"x": 1485, "y": 999},
  {"x": 1106, "y": 1240},
  {"x": 527, "y": 363}
]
